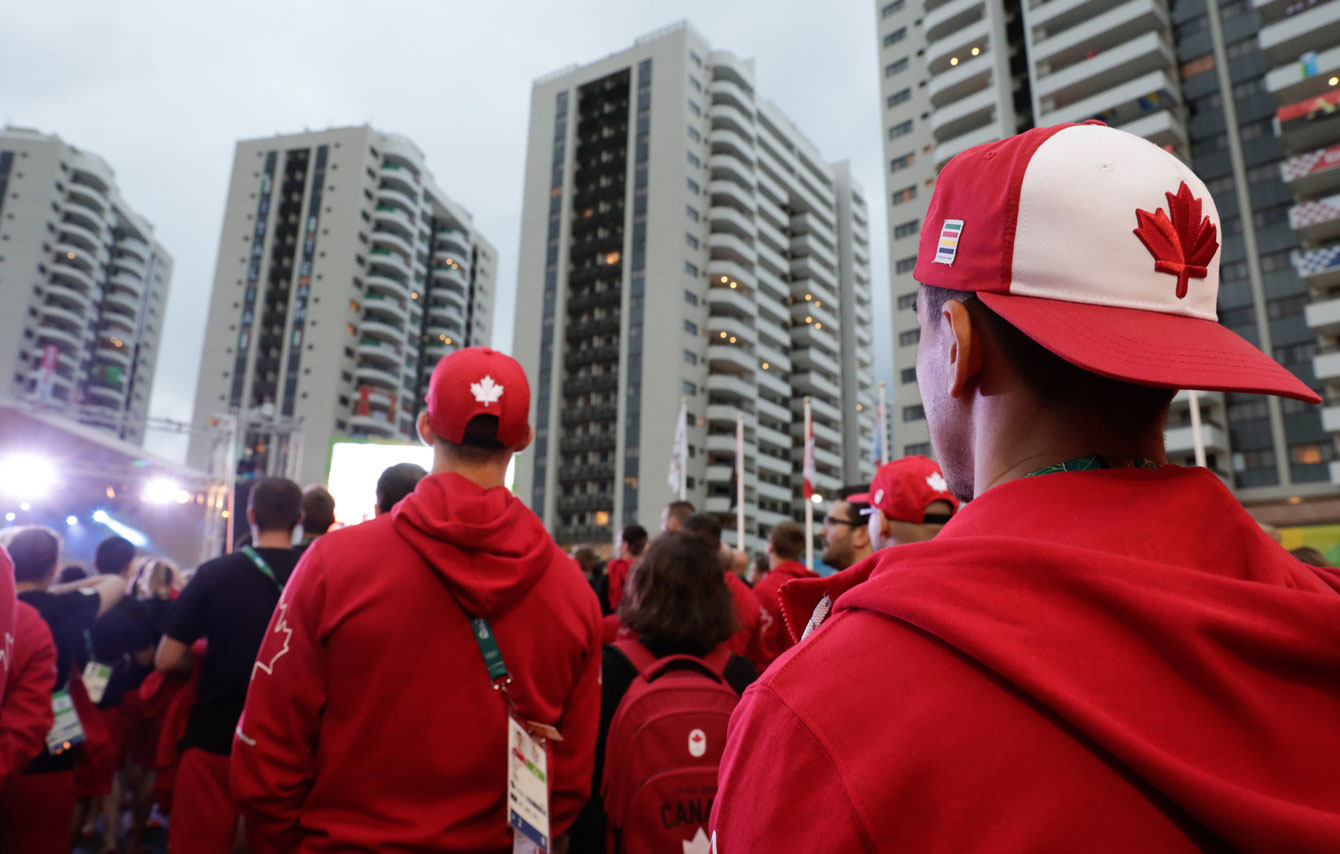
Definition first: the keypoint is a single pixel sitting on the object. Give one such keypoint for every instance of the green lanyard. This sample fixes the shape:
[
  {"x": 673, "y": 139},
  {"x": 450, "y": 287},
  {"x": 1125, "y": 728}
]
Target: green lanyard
[
  {"x": 263, "y": 566},
  {"x": 1096, "y": 462},
  {"x": 493, "y": 660}
]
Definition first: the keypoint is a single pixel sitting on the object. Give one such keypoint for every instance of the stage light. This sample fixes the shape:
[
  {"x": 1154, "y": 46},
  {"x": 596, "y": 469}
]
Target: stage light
[
  {"x": 10, "y": 517},
  {"x": 27, "y": 476},
  {"x": 136, "y": 537},
  {"x": 183, "y": 497},
  {"x": 72, "y": 520},
  {"x": 160, "y": 491},
  {"x": 817, "y": 498},
  {"x": 25, "y": 507}
]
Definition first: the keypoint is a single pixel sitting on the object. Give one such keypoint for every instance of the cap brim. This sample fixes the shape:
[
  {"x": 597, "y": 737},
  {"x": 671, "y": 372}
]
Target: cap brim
[
  {"x": 1148, "y": 347},
  {"x": 859, "y": 498}
]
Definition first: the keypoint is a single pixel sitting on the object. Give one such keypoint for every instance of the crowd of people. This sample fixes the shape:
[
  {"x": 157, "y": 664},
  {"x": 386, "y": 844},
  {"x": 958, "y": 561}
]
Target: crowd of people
[{"x": 1051, "y": 639}]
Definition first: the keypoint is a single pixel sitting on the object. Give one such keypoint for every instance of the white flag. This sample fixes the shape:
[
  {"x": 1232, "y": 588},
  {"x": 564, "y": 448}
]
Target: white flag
[
  {"x": 679, "y": 452},
  {"x": 809, "y": 470}
]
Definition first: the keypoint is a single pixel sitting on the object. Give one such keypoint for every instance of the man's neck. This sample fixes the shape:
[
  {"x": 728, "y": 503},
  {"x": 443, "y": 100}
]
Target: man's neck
[
  {"x": 273, "y": 540},
  {"x": 485, "y": 475},
  {"x": 30, "y": 586}
]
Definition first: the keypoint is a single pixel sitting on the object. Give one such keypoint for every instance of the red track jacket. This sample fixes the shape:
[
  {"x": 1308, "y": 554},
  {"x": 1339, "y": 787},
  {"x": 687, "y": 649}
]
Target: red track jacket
[
  {"x": 773, "y": 636},
  {"x": 371, "y": 724},
  {"x": 1093, "y": 661},
  {"x": 25, "y": 714}
]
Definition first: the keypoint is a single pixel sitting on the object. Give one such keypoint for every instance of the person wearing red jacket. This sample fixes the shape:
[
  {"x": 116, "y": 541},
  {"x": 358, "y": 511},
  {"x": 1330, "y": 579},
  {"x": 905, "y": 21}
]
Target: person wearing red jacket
[
  {"x": 373, "y": 722},
  {"x": 749, "y": 615},
  {"x": 632, "y": 541},
  {"x": 1102, "y": 652},
  {"x": 786, "y": 545}
]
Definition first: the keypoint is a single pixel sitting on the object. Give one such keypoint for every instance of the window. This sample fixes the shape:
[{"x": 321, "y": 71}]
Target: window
[
  {"x": 694, "y": 135},
  {"x": 906, "y": 194},
  {"x": 690, "y": 327},
  {"x": 1198, "y": 65},
  {"x": 894, "y": 68},
  {"x": 890, "y": 8},
  {"x": 895, "y": 36},
  {"x": 905, "y": 265},
  {"x": 690, "y": 357},
  {"x": 900, "y": 163},
  {"x": 691, "y": 270},
  {"x": 909, "y": 337},
  {"x": 906, "y": 301},
  {"x": 906, "y": 229},
  {"x": 695, "y": 59},
  {"x": 690, "y": 389},
  {"x": 692, "y": 213},
  {"x": 1242, "y": 48},
  {"x": 692, "y": 185},
  {"x": 691, "y": 241},
  {"x": 914, "y": 413},
  {"x": 900, "y": 129},
  {"x": 693, "y": 108},
  {"x": 693, "y": 81},
  {"x": 899, "y": 97},
  {"x": 908, "y": 375},
  {"x": 690, "y": 297},
  {"x": 917, "y": 449},
  {"x": 694, "y": 161},
  {"x": 1311, "y": 454}
]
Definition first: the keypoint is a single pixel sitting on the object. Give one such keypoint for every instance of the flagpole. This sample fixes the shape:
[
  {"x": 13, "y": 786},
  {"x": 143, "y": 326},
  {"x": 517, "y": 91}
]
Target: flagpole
[
  {"x": 739, "y": 480},
  {"x": 809, "y": 504},
  {"x": 683, "y": 449},
  {"x": 882, "y": 417},
  {"x": 1197, "y": 441}
]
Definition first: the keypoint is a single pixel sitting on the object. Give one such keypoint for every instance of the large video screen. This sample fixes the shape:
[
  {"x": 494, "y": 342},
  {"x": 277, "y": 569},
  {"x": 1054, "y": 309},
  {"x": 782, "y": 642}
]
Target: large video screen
[{"x": 354, "y": 469}]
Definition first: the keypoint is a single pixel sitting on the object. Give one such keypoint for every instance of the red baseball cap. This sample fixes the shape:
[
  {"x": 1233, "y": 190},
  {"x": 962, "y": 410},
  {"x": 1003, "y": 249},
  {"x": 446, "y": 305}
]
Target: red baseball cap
[
  {"x": 479, "y": 381},
  {"x": 904, "y": 488},
  {"x": 1103, "y": 248}
]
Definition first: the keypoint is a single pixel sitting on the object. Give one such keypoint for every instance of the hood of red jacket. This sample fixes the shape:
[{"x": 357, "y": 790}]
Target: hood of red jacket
[
  {"x": 486, "y": 546},
  {"x": 1148, "y": 611}
]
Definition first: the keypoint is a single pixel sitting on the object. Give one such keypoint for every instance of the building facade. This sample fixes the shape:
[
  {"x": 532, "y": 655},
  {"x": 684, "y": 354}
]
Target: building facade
[
  {"x": 85, "y": 284},
  {"x": 344, "y": 274},
  {"x": 683, "y": 241},
  {"x": 1206, "y": 81}
]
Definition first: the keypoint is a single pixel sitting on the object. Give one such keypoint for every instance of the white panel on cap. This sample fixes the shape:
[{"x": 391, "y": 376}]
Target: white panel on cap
[{"x": 1075, "y": 239}]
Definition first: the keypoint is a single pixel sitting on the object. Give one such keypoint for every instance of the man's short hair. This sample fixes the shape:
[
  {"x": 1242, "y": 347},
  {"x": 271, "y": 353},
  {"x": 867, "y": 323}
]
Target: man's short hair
[
  {"x": 276, "y": 504},
  {"x": 705, "y": 527},
  {"x": 635, "y": 537},
  {"x": 680, "y": 511},
  {"x": 34, "y": 550},
  {"x": 318, "y": 510},
  {"x": 396, "y": 482},
  {"x": 857, "y": 507},
  {"x": 788, "y": 540},
  {"x": 114, "y": 554},
  {"x": 1054, "y": 380}
]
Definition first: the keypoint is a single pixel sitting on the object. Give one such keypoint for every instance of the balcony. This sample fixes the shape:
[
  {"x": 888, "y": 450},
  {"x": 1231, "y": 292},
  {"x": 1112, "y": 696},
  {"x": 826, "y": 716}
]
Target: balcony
[
  {"x": 129, "y": 264},
  {"x": 134, "y": 247},
  {"x": 367, "y": 374},
  {"x": 379, "y": 354},
  {"x": 722, "y": 273},
  {"x": 78, "y": 256},
  {"x": 382, "y": 331},
  {"x": 70, "y": 298},
  {"x": 454, "y": 239},
  {"x": 388, "y": 260},
  {"x": 731, "y": 359},
  {"x": 728, "y": 167},
  {"x": 815, "y": 359},
  {"x": 119, "y": 302},
  {"x": 387, "y": 287},
  {"x": 945, "y": 151},
  {"x": 964, "y": 116},
  {"x": 77, "y": 235},
  {"x": 1317, "y": 221},
  {"x": 394, "y": 174},
  {"x": 1181, "y": 440},
  {"x": 970, "y": 75},
  {"x": 724, "y": 140},
  {"x": 731, "y": 221},
  {"x": 87, "y": 197},
  {"x": 110, "y": 353},
  {"x": 1330, "y": 419},
  {"x": 451, "y": 277},
  {"x": 941, "y": 21},
  {"x": 1285, "y": 40},
  {"x": 1161, "y": 128},
  {"x": 1289, "y": 84},
  {"x": 1312, "y": 122},
  {"x": 64, "y": 318},
  {"x": 806, "y": 245},
  {"x": 728, "y": 247},
  {"x": 957, "y": 44},
  {"x": 726, "y": 116},
  {"x": 1326, "y": 366},
  {"x": 372, "y": 425},
  {"x": 63, "y": 338},
  {"x": 731, "y": 386},
  {"x": 1314, "y": 172},
  {"x": 1111, "y": 67},
  {"x": 408, "y": 201},
  {"x": 1120, "y": 103},
  {"x": 1320, "y": 268},
  {"x": 394, "y": 216},
  {"x": 450, "y": 256},
  {"x": 730, "y": 302},
  {"x": 731, "y": 193},
  {"x": 391, "y": 240},
  {"x": 727, "y": 93},
  {"x": 733, "y": 328},
  {"x": 127, "y": 282}
]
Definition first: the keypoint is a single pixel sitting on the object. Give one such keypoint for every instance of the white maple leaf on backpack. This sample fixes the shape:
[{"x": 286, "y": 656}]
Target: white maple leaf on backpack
[
  {"x": 699, "y": 844},
  {"x": 486, "y": 391}
]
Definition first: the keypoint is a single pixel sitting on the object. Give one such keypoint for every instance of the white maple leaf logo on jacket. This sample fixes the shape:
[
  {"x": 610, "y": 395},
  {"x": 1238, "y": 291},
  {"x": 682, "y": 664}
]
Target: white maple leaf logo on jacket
[
  {"x": 937, "y": 482},
  {"x": 486, "y": 391}
]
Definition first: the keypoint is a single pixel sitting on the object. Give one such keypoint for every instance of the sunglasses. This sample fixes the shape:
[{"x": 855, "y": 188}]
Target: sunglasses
[{"x": 833, "y": 520}]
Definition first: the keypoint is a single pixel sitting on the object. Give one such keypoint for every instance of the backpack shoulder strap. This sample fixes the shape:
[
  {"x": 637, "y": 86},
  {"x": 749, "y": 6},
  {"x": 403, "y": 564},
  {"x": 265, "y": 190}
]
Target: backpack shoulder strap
[
  {"x": 637, "y": 654},
  {"x": 717, "y": 660}
]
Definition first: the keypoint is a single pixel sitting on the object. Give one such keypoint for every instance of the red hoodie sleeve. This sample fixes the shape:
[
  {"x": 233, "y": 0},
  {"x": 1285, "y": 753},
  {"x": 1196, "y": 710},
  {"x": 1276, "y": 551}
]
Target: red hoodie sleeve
[
  {"x": 274, "y": 748},
  {"x": 779, "y": 789},
  {"x": 25, "y": 716},
  {"x": 574, "y": 756}
]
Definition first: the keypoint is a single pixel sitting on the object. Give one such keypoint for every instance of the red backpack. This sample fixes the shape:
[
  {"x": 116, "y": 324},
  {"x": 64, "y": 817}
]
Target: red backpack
[{"x": 662, "y": 752}]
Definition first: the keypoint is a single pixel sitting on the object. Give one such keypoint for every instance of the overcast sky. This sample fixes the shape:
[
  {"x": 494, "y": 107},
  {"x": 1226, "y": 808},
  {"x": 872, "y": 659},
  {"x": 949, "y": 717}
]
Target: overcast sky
[{"x": 163, "y": 90}]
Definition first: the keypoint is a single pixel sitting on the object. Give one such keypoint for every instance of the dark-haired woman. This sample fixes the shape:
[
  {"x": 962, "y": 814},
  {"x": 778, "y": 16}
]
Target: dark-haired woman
[{"x": 675, "y": 602}]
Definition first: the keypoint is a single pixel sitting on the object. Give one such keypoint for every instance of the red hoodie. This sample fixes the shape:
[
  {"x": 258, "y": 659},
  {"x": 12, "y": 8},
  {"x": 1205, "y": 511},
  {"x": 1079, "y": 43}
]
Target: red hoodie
[
  {"x": 749, "y": 615},
  {"x": 1109, "y": 660},
  {"x": 25, "y": 713},
  {"x": 371, "y": 723},
  {"x": 772, "y": 632},
  {"x": 617, "y": 570}
]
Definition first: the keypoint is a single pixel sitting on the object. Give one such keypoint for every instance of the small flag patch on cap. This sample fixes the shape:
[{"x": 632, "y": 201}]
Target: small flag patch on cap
[{"x": 947, "y": 248}]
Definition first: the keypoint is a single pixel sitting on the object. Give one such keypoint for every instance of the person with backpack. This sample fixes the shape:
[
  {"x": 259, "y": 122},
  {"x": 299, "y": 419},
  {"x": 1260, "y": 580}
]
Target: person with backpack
[{"x": 666, "y": 698}]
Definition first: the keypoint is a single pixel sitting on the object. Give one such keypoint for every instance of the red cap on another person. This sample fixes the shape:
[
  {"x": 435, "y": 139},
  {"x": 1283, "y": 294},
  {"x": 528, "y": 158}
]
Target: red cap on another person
[
  {"x": 904, "y": 488},
  {"x": 479, "y": 381}
]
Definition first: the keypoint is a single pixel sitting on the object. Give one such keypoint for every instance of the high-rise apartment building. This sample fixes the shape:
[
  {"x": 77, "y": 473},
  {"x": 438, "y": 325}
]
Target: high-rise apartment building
[
  {"x": 682, "y": 240},
  {"x": 344, "y": 274},
  {"x": 84, "y": 284},
  {"x": 1190, "y": 75}
]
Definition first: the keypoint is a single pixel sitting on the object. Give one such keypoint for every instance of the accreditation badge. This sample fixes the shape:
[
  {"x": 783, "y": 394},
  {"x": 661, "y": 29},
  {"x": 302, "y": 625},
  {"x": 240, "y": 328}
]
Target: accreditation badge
[
  {"x": 527, "y": 789},
  {"x": 96, "y": 677},
  {"x": 66, "y": 731}
]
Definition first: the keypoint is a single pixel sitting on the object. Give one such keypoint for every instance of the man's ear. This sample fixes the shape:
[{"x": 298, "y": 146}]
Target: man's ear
[
  {"x": 965, "y": 347},
  {"x": 525, "y": 443},
  {"x": 425, "y": 430}
]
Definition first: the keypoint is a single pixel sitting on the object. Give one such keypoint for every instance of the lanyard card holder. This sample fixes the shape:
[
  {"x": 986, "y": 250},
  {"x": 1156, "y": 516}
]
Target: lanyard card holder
[{"x": 66, "y": 731}]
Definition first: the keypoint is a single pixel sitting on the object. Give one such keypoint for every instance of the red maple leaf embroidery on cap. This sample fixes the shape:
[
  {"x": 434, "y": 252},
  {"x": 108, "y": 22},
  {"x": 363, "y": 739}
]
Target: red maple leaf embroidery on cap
[{"x": 1183, "y": 244}]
